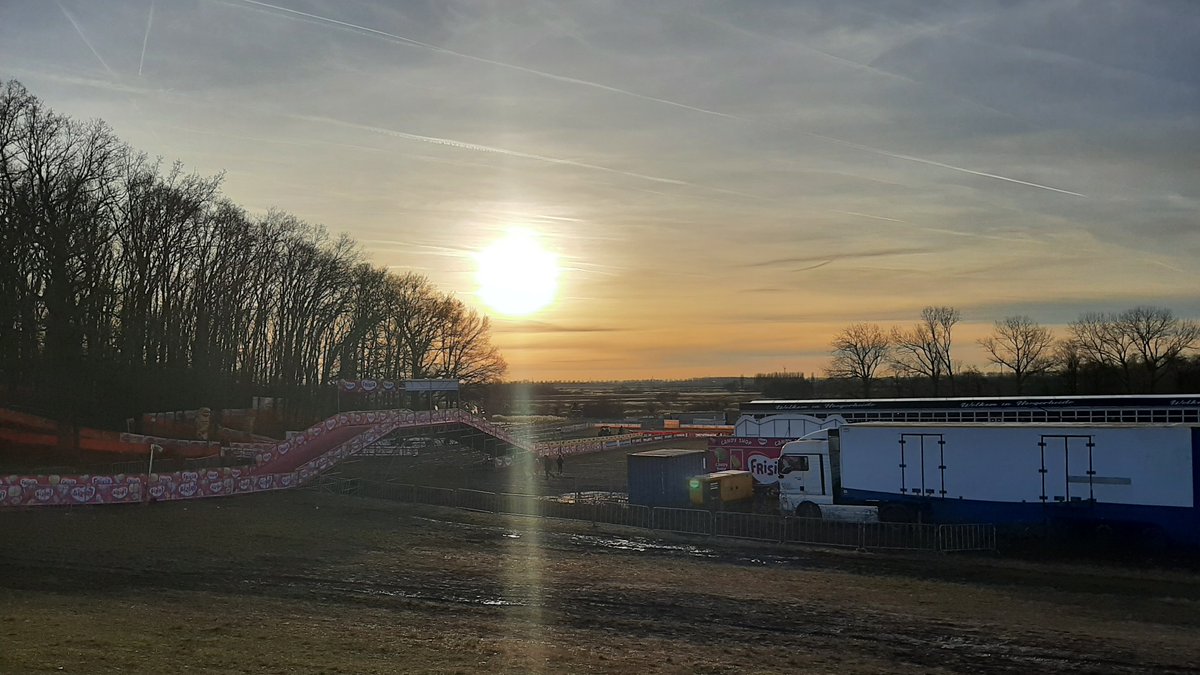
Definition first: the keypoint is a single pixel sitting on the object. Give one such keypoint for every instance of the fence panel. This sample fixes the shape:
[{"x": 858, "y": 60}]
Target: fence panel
[
  {"x": 346, "y": 486},
  {"x": 630, "y": 515},
  {"x": 433, "y": 495},
  {"x": 477, "y": 500},
  {"x": 403, "y": 492},
  {"x": 952, "y": 538},
  {"x": 521, "y": 505},
  {"x": 748, "y": 526},
  {"x": 824, "y": 532},
  {"x": 566, "y": 510},
  {"x": 372, "y": 488},
  {"x": 336, "y": 486},
  {"x": 685, "y": 521},
  {"x": 382, "y": 490},
  {"x": 901, "y": 536}
]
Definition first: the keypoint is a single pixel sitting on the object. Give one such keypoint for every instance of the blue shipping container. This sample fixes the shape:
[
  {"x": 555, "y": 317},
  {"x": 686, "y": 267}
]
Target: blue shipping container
[{"x": 660, "y": 477}]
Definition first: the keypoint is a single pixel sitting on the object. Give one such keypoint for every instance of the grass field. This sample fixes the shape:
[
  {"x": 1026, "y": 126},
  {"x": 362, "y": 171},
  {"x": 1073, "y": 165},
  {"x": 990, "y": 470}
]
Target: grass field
[{"x": 311, "y": 583}]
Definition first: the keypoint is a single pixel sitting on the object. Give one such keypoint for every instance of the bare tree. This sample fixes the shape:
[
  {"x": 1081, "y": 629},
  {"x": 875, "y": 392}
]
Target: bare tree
[
  {"x": 358, "y": 332},
  {"x": 19, "y": 291},
  {"x": 1019, "y": 344},
  {"x": 1100, "y": 340},
  {"x": 465, "y": 351},
  {"x": 924, "y": 349},
  {"x": 858, "y": 351},
  {"x": 419, "y": 316},
  {"x": 1157, "y": 337},
  {"x": 1068, "y": 361}
]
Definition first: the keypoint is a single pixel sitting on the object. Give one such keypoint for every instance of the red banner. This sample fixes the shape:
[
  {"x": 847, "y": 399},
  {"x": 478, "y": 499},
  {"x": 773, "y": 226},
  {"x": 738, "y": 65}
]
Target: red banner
[{"x": 757, "y": 455}]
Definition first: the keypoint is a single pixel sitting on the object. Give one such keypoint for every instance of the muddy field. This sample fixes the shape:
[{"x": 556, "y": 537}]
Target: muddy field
[{"x": 307, "y": 582}]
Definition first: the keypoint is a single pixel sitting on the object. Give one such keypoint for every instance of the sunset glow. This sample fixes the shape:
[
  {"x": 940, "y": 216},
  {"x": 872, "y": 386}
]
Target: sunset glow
[
  {"x": 516, "y": 276},
  {"x": 729, "y": 184}
]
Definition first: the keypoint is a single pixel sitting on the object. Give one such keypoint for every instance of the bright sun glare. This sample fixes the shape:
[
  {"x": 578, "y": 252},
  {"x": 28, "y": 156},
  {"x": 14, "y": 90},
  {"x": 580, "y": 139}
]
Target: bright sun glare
[{"x": 516, "y": 275}]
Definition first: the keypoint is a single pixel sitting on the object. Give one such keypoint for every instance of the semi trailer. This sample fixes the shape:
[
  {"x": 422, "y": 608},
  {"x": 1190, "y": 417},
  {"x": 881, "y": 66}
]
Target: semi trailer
[{"x": 1132, "y": 478}]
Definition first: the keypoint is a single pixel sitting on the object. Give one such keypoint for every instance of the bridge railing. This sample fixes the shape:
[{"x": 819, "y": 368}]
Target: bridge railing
[{"x": 290, "y": 463}]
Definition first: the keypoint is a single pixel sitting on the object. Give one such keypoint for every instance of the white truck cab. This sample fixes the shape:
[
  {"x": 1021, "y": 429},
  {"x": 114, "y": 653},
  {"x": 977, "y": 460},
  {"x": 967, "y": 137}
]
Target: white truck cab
[
  {"x": 805, "y": 475},
  {"x": 810, "y": 478}
]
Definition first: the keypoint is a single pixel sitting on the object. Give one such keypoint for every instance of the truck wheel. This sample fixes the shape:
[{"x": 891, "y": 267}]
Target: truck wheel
[{"x": 808, "y": 510}]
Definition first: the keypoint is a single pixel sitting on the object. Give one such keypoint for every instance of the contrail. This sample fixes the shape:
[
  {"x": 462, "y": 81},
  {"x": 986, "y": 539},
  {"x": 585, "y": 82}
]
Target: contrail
[
  {"x": 976, "y": 235},
  {"x": 146, "y": 39},
  {"x": 1165, "y": 265},
  {"x": 501, "y": 64},
  {"x": 463, "y": 145},
  {"x": 943, "y": 165},
  {"x": 867, "y": 215},
  {"x": 84, "y": 38},
  {"x": 625, "y": 92}
]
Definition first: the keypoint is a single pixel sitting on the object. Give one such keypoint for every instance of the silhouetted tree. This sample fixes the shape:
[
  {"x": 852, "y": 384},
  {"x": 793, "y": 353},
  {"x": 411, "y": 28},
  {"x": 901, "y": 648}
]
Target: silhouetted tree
[
  {"x": 1101, "y": 341},
  {"x": 1158, "y": 337},
  {"x": 784, "y": 385},
  {"x": 858, "y": 351},
  {"x": 1067, "y": 361},
  {"x": 924, "y": 349},
  {"x": 1020, "y": 345}
]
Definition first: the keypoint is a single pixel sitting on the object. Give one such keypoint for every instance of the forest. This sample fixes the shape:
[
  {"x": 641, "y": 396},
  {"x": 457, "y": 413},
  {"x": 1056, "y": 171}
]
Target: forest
[{"x": 131, "y": 285}]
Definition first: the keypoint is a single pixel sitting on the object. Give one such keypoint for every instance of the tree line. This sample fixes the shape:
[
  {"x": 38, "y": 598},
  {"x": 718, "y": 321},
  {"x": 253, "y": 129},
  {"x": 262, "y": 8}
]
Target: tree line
[
  {"x": 1138, "y": 350},
  {"x": 131, "y": 285}
]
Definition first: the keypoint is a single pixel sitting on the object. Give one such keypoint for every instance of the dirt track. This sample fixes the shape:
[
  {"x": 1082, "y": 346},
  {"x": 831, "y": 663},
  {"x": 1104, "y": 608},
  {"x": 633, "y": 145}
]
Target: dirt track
[{"x": 303, "y": 582}]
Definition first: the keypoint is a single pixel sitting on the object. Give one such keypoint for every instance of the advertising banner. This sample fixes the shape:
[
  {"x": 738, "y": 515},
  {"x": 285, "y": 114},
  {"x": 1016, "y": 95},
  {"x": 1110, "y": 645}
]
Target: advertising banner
[{"x": 741, "y": 453}]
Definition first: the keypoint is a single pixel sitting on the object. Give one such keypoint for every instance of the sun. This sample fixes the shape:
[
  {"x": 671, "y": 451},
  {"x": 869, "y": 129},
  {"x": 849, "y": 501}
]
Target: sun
[{"x": 516, "y": 276}]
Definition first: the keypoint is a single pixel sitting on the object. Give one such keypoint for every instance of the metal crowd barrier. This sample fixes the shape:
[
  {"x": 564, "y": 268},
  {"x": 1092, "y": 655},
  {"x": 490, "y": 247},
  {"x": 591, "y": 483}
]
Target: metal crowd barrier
[
  {"x": 478, "y": 500},
  {"x": 734, "y": 525},
  {"x": 966, "y": 537},
  {"x": 748, "y": 526},
  {"x": 338, "y": 486},
  {"x": 683, "y": 521}
]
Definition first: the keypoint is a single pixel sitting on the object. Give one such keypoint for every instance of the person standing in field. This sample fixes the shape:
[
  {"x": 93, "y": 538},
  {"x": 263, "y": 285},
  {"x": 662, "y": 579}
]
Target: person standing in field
[
  {"x": 560, "y": 463},
  {"x": 546, "y": 465}
]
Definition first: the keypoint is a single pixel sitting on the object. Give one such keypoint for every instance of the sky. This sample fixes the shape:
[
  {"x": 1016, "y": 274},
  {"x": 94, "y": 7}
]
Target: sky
[{"x": 726, "y": 185}]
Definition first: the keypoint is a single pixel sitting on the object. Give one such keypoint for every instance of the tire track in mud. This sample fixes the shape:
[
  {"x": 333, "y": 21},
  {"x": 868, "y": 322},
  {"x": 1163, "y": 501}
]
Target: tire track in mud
[
  {"x": 697, "y": 618},
  {"x": 936, "y": 644},
  {"x": 913, "y": 643}
]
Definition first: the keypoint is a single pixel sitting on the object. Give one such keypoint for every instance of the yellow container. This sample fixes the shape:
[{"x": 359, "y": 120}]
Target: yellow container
[{"x": 722, "y": 487}]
